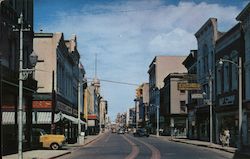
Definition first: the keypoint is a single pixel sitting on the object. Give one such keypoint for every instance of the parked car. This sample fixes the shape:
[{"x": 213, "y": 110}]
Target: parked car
[
  {"x": 113, "y": 130},
  {"x": 52, "y": 141},
  {"x": 121, "y": 131},
  {"x": 141, "y": 132}
]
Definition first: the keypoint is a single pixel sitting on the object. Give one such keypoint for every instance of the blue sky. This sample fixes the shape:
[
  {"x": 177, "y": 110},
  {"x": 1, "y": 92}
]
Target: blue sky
[{"x": 126, "y": 35}]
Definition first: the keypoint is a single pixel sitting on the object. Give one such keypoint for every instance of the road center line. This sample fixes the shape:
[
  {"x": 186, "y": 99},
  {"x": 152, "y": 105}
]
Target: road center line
[
  {"x": 156, "y": 154},
  {"x": 107, "y": 139},
  {"x": 135, "y": 149}
]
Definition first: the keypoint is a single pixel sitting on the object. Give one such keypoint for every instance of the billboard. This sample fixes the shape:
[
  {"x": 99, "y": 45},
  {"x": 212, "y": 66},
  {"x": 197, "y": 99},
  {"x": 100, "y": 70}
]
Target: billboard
[{"x": 189, "y": 86}]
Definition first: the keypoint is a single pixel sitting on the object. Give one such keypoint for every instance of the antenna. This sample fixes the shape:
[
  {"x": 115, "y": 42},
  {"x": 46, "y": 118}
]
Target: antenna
[{"x": 95, "y": 65}]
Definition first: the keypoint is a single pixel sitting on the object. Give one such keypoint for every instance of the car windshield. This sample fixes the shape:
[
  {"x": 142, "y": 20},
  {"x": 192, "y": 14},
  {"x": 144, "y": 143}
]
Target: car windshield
[{"x": 43, "y": 132}]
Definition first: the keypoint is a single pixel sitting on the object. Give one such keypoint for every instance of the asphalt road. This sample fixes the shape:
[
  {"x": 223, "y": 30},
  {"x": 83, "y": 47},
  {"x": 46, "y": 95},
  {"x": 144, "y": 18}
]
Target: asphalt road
[{"x": 115, "y": 146}]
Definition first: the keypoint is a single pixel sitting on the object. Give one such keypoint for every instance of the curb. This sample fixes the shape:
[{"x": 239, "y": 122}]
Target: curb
[
  {"x": 66, "y": 153},
  {"x": 208, "y": 146},
  {"x": 70, "y": 151}
]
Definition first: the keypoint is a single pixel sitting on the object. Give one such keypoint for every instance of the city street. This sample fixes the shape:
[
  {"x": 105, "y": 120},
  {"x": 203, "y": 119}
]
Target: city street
[{"x": 116, "y": 146}]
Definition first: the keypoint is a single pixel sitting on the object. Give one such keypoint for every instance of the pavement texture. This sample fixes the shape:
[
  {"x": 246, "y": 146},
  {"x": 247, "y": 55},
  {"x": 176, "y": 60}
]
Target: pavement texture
[
  {"x": 51, "y": 154},
  {"x": 206, "y": 144},
  {"x": 126, "y": 146}
]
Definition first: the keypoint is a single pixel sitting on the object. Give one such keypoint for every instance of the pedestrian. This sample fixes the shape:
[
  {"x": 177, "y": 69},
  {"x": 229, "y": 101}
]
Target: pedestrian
[
  {"x": 175, "y": 132},
  {"x": 222, "y": 137},
  {"x": 227, "y": 137}
]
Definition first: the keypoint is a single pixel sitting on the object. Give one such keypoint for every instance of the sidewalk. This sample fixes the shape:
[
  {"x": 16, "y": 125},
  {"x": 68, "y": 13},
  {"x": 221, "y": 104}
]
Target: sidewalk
[
  {"x": 205, "y": 144},
  {"x": 51, "y": 154}
]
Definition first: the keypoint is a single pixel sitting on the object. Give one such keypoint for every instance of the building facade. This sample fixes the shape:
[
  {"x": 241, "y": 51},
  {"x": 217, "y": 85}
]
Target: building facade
[
  {"x": 159, "y": 68},
  {"x": 243, "y": 17},
  {"x": 191, "y": 64},
  {"x": 206, "y": 37},
  {"x": 229, "y": 47},
  {"x": 55, "y": 105},
  {"x": 173, "y": 110},
  {"x": 9, "y": 63}
]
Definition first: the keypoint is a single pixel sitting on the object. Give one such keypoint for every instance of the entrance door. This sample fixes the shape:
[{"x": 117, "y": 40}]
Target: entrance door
[{"x": 248, "y": 129}]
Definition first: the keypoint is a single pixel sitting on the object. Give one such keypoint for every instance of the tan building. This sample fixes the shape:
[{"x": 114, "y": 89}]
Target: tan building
[
  {"x": 55, "y": 106},
  {"x": 9, "y": 63},
  {"x": 173, "y": 110},
  {"x": 159, "y": 68}
]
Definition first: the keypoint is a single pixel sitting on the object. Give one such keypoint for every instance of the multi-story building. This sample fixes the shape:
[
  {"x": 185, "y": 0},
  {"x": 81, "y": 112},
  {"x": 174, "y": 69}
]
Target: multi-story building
[
  {"x": 243, "y": 17},
  {"x": 55, "y": 105},
  {"x": 229, "y": 47},
  {"x": 191, "y": 64},
  {"x": 159, "y": 68},
  {"x": 103, "y": 112},
  {"x": 173, "y": 110},
  {"x": 9, "y": 63},
  {"x": 142, "y": 101},
  {"x": 206, "y": 37},
  {"x": 94, "y": 107}
]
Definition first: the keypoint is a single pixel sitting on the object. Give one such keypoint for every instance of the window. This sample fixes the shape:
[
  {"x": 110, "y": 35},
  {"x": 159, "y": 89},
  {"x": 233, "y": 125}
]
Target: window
[
  {"x": 226, "y": 75},
  {"x": 234, "y": 70},
  {"x": 182, "y": 106},
  {"x": 182, "y": 91}
]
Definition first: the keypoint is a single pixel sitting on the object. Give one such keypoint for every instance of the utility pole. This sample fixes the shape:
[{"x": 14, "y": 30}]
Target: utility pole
[
  {"x": 240, "y": 102},
  {"x": 20, "y": 105},
  {"x": 23, "y": 74},
  {"x": 157, "y": 111},
  {"x": 1, "y": 139},
  {"x": 79, "y": 113},
  {"x": 211, "y": 106}
]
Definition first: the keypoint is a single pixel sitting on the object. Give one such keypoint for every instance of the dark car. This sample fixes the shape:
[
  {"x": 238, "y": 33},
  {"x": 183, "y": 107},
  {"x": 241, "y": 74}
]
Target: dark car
[{"x": 141, "y": 132}]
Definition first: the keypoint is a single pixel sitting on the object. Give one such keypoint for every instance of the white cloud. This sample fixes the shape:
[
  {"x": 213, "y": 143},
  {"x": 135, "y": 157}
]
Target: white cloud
[{"x": 127, "y": 35}]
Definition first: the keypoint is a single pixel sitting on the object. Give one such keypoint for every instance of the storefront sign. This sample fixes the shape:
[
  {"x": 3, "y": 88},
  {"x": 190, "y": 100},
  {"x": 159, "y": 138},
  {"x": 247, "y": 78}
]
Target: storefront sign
[
  {"x": 91, "y": 122},
  {"x": 63, "y": 107},
  {"x": 196, "y": 96},
  {"x": 189, "y": 86},
  {"x": 42, "y": 104},
  {"x": 228, "y": 100}
]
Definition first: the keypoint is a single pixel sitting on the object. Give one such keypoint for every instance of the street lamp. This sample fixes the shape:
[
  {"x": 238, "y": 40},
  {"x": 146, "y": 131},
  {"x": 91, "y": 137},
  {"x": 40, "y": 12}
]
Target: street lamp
[
  {"x": 79, "y": 107},
  {"x": 239, "y": 66},
  {"x": 23, "y": 74},
  {"x": 210, "y": 103},
  {"x": 157, "y": 110}
]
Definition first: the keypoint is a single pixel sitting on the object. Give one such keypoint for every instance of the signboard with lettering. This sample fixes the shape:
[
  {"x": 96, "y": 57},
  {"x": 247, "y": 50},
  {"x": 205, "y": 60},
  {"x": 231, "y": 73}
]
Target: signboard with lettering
[
  {"x": 42, "y": 104},
  {"x": 228, "y": 100},
  {"x": 196, "y": 96},
  {"x": 63, "y": 107},
  {"x": 189, "y": 86}
]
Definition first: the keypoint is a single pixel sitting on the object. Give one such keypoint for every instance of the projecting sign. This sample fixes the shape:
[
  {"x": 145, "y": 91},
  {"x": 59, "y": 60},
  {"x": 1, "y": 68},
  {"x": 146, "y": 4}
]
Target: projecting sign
[
  {"x": 189, "y": 86},
  {"x": 196, "y": 96}
]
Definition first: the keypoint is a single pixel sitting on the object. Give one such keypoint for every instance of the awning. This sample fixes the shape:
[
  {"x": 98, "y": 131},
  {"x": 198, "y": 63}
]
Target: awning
[
  {"x": 70, "y": 118},
  {"x": 8, "y": 118},
  {"x": 45, "y": 118}
]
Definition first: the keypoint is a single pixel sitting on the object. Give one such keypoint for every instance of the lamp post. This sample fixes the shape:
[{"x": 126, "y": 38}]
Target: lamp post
[
  {"x": 78, "y": 110},
  {"x": 239, "y": 66},
  {"x": 157, "y": 105},
  {"x": 23, "y": 74}
]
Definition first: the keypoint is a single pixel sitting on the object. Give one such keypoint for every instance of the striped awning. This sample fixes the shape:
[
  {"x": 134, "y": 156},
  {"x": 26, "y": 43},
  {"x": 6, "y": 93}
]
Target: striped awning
[
  {"x": 45, "y": 118},
  {"x": 8, "y": 118}
]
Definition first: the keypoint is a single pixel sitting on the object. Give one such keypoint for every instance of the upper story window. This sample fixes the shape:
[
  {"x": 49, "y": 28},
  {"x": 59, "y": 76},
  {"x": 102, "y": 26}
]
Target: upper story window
[
  {"x": 234, "y": 70},
  {"x": 205, "y": 59},
  {"x": 226, "y": 74}
]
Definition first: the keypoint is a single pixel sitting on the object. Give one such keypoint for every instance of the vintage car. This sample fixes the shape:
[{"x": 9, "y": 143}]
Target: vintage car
[{"x": 41, "y": 138}]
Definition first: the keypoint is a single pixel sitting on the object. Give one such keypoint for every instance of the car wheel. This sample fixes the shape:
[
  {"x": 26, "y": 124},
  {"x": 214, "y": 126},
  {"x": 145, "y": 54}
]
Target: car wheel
[{"x": 54, "y": 146}]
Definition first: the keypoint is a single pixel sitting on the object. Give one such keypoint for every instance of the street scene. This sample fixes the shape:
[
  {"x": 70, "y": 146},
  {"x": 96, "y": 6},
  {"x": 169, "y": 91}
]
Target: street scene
[{"x": 125, "y": 79}]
